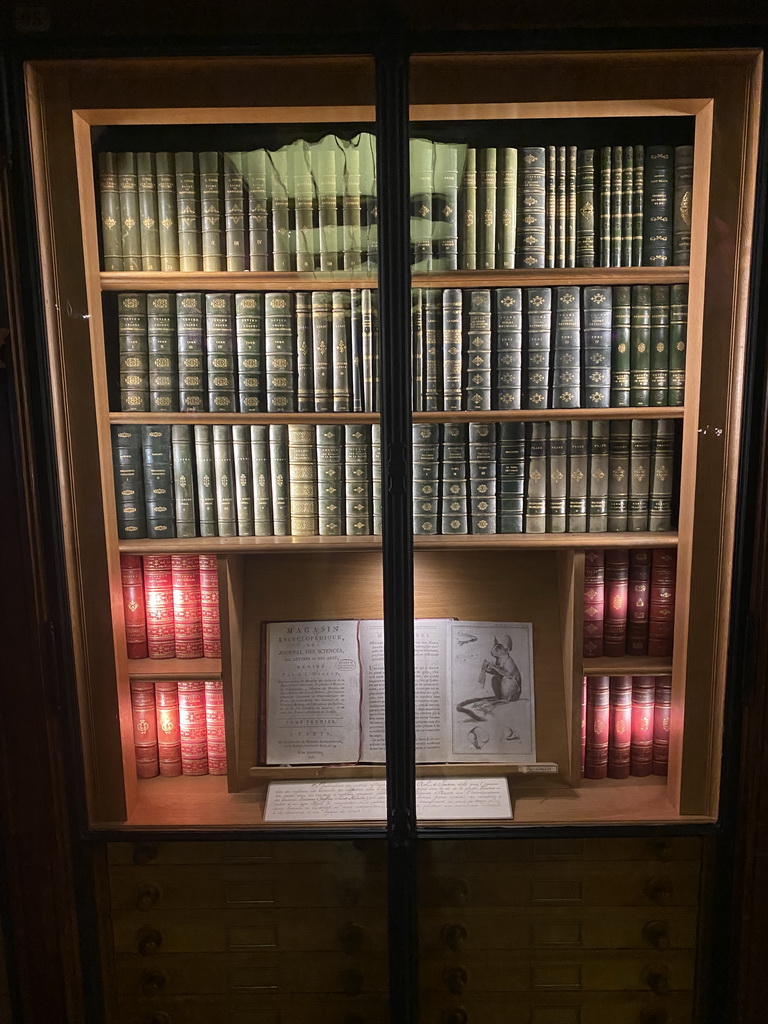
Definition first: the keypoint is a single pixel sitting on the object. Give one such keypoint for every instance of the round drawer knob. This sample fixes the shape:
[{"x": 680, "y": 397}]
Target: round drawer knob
[
  {"x": 147, "y": 896},
  {"x": 352, "y": 982},
  {"x": 657, "y": 980},
  {"x": 658, "y": 890},
  {"x": 149, "y": 941},
  {"x": 653, "y": 1015},
  {"x": 455, "y": 979},
  {"x": 351, "y": 937},
  {"x": 152, "y": 983},
  {"x": 454, "y": 936},
  {"x": 145, "y": 853},
  {"x": 456, "y": 1016},
  {"x": 657, "y": 934}
]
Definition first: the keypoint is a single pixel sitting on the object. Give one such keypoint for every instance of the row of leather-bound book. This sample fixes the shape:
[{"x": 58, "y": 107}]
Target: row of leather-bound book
[{"x": 625, "y": 724}]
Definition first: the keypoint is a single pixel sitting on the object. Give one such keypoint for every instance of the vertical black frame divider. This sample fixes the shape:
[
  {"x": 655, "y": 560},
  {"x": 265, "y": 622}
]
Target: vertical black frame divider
[{"x": 397, "y": 535}]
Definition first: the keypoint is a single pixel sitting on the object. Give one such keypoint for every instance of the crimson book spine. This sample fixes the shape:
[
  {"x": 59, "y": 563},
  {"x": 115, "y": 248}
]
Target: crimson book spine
[
  {"x": 214, "y": 726},
  {"x": 616, "y": 594},
  {"x": 187, "y": 614},
  {"x": 583, "y": 724},
  {"x": 193, "y": 729},
  {"x": 168, "y": 735},
  {"x": 641, "y": 749},
  {"x": 594, "y": 602},
  {"x": 596, "y": 754},
  {"x": 661, "y": 625},
  {"x": 637, "y": 610},
  {"x": 134, "y": 607},
  {"x": 209, "y": 606},
  {"x": 158, "y": 592},
  {"x": 144, "y": 728},
  {"x": 620, "y": 727},
  {"x": 661, "y": 716}
]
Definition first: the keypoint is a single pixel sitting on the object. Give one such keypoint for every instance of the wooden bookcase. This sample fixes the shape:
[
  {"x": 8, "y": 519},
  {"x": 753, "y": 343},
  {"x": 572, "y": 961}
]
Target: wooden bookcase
[{"x": 521, "y": 577}]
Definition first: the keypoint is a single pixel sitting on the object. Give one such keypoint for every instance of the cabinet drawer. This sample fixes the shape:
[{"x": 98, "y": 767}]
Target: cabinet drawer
[
  {"x": 506, "y": 851},
  {"x": 295, "y": 1009},
  {"x": 249, "y": 852},
  {"x": 559, "y": 1008}
]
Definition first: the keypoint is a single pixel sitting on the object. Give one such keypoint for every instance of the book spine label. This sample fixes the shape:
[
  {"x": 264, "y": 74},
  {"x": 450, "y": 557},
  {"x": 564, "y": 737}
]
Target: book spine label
[
  {"x": 280, "y": 347},
  {"x": 144, "y": 728},
  {"x": 585, "y": 208},
  {"x": 330, "y": 479},
  {"x": 598, "y": 323},
  {"x": 445, "y": 202},
  {"x": 426, "y": 477},
  {"x": 509, "y": 348},
  {"x": 148, "y": 224},
  {"x": 223, "y": 474},
  {"x": 618, "y": 484},
  {"x": 321, "y": 345},
  {"x": 453, "y": 502},
  {"x": 432, "y": 377},
  {"x": 158, "y": 591},
  {"x": 251, "y": 357},
  {"x": 158, "y": 481},
  {"x": 637, "y": 610},
  {"x": 215, "y": 727},
  {"x": 532, "y": 210},
  {"x": 191, "y": 355},
  {"x": 638, "y": 186},
  {"x": 657, "y": 206},
  {"x": 243, "y": 474},
  {"x": 280, "y": 207},
  {"x": 193, "y": 727},
  {"x": 627, "y": 206},
  {"x": 482, "y": 478},
  {"x": 604, "y": 217},
  {"x": 662, "y": 469},
  {"x": 659, "y": 369},
  {"x": 617, "y": 198},
  {"x": 598, "y": 721},
  {"x": 507, "y": 212},
  {"x": 468, "y": 213},
  {"x": 167, "y": 211},
  {"x": 133, "y": 351},
  {"x": 452, "y": 343},
  {"x": 681, "y": 221},
  {"x": 161, "y": 346},
  {"x": 536, "y": 483},
  {"x": 351, "y": 210},
  {"x": 578, "y": 475},
  {"x": 422, "y": 157},
  {"x": 511, "y": 480},
  {"x": 302, "y": 479},
  {"x": 134, "y": 606},
  {"x": 621, "y": 340},
  {"x": 539, "y": 323},
  {"x": 262, "y": 487},
  {"x": 183, "y": 481},
  {"x": 678, "y": 336},
  {"x": 111, "y": 221},
  {"x": 257, "y": 204},
  {"x": 235, "y": 249},
  {"x": 214, "y": 257},
  {"x": 598, "y": 477},
  {"x": 188, "y": 213},
  {"x": 206, "y": 489},
  {"x": 341, "y": 350},
  {"x": 557, "y": 441},
  {"x": 566, "y": 377},
  {"x": 220, "y": 351},
  {"x": 619, "y": 727},
  {"x": 661, "y": 718},
  {"x": 209, "y": 605},
  {"x": 278, "y": 470},
  {"x": 594, "y": 602},
  {"x": 639, "y": 474},
  {"x": 130, "y": 226},
  {"x": 616, "y": 599},
  {"x": 358, "y": 484},
  {"x": 187, "y": 609},
  {"x": 661, "y": 624},
  {"x": 641, "y": 749},
  {"x": 486, "y": 203},
  {"x": 551, "y": 207},
  {"x": 168, "y": 734},
  {"x": 478, "y": 355}
]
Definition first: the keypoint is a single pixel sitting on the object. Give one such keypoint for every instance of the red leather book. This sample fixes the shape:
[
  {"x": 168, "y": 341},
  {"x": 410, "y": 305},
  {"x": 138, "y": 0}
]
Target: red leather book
[
  {"x": 661, "y": 716},
  {"x": 594, "y": 602},
  {"x": 638, "y": 601},
  {"x": 187, "y": 615},
  {"x": 158, "y": 592},
  {"x": 209, "y": 602},
  {"x": 596, "y": 754},
  {"x": 643, "y": 699},
  {"x": 144, "y": 728},
  {"x": 133, "y": 606},
  {"x": 168, "y": 736},
  {"x": 619, "y": 727},
  {"x": 583, "y": 723},
  {"x": 194, "y": 730},
  {"x": 661, "y": 626},
  {"x": 616, "y": 588},
  {"x": 214, "y": 721}
]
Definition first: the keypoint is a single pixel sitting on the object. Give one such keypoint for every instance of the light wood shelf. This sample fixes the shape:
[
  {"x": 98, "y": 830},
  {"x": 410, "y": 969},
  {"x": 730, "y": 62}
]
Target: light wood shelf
[
  {"x": 174, "y": 668},
  {"x": 628, "y": 666}
]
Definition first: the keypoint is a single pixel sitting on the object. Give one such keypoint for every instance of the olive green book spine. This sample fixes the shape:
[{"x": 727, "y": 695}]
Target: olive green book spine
[
  {"x": 658, "y": 206},
  {"x": 557, "y": 492},
  {"x": 257, "y": 204},
  {"x": 468, "y": 213},
  {"x": 341, "y": 350},
  {"x": 561, "y": 243},
  {"x": 486, "y": 209},
  {"x": 578, "y": 476},
  {"x": 445, "y": 203},
  {"x": 161, "y": 347},
  {"x": 453, "y": 500},
  {"x": 621, "y": 340},
  {"x": 133, "y": 352},
  {"x": 278, "y": 478},
  {"x": 585, "y": 208},
  {"x": 302, "y": 479},
  {"x": 129, "y": 482},
  {"x": 617, "y": 198},
  {"x": 130, "y": 227},
  {"x": 451, "y": 348},
  {"x": 279, "y": 348},
  {"x": 321, "y": 356},
  {"x": 351, "y": 209},
  {"x": 303, "y": 208},
  {"x": 109, "y": 209},
  {"x": 223, "y": 476},
  {"x": 167, "y": 211},
  {"x": 510, "y": 489},
  {"x": 640, "y": 344},
  {"x": 551, "y": 208},
  {"x": 277, "y": 184},
  {"x": 508, "y": 348},
  {"x": 597, "y": 324},
  {"x": 477, "y": 364},
  {"x": 214, "y": 255},
  {"x": 327, "y": 202},
  {"x": 566, "y": 375},
  {"x": 482, "y": 478},
  {"x": 220, "y": 351},
  {"x": 235, "y": 248},
  {"x": 206, "y": 489},
  {"x": 678, "y": 338},
  {"x": 426, "y": 478},
  {"x": 158, "y": 481},
  {"x": 570, "y": 206},
  {"x": 662, "y": 465},
  {"x": 627, "y": 206},
  {"x": 376, "y": 477},
  {"x": 358, "y": 497},
  {"x": 148, "y": 224},
  {"x": 599, "y": 435},
  {"x": 191, "y": 352},
  {"x": 188, "y": 213},
  {"x": 539, "y": 323},
  {"x": 638, "y": 186},
  {"x": 532, "y": 208},
  {"x": 330, "y": 479},
  {"x": 433, "y": 400},
  {"x": 618, "y": 475},
  {"x": 305, "y": 388},
  {"x": 417, "y": 348},
  {"x": 659, "y": 374},
  {"x": 183, "y": 481},
  {"x": 639, "y": 474},
  {"x": 251, "y": 357},
  {"x": 370, "y": 350},
  {"x": 422, "y": 184},
  {"x": 604, "y": 216},
  {"x": 356, "y": 349},
  {"x": 506, "y": 221},
  {"x": 537, "y": 477},
  {"x": 243, "y": 473},
  {"x": 262, "y": 491},
  {"x": 681, "y": 219}
]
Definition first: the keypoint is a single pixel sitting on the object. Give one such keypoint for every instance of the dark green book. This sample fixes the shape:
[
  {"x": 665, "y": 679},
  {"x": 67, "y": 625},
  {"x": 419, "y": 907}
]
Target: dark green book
[
  {"x": 109, "y": 208},
  {"x": 191, "y": 352},
  {"x": 133, "y": 353},
  {"x": 557, "y": 493},
  {"x": 451, "y": 348},
  {"x": 658, "y": 206},
  {"x": 598, "y": 318},
  {"x": 302, "y": 479},
  {"x": 617, "y": 198},
  {"x": 426, "y": 478},
  {"x": 506, "y": 220},
  {"x": 220, "y": 351},
  {"x": 330, "y": 479},
  {"x": 279, "y": 196},
  {"x": 627, "y": 206},
  {"x": 376, "y": 477},
  {"x": 468, "y": 213},
  {"x": 453, "y": 500},
  {"x": 223, "y": 481},
  {"x": 356, "y": 349},
  {"x": 279, "y": 346},
  {"x": 640, "y": 345},
  {"x": 585, "y": 208},
  {"x": 303, "y": 208},
  {"x": 537, "y": 476},
  {"x": 422, "y": 184},
  {"x": 370, "y": 350},
  {"x": 639, "y": 474},
  {"x": 681, "y": 219},
  {"x": 251, "y": 356},
  {"x": 375, "y": 351},
  {"x": 129, "y": 482},
  {"x": 478, "y": 355},
  {"x": 561, "y": 243},
  {"x": 257, "y": 205},
  {"x": 510, "y": 487},
  {"x": 130, "y": 229},
  {"x": 206, "y": 489},
  {"x": 638, "y": 186},
  {"x": 278, "y": 469},
  {"x": 532, "y": 208},
  {"x": 188, "y": 213},
  {"x": 661, "y": 476},
  {"x": 618, "y": 476},
  {"x": 183, "y": 480},
  {"x": 604, "y": 217},
  {"x": 167, "y": 211},
  {"x": 161, "y": 348},
  {"x": 214, "y": 257},
  {"x": 262, "y": 490},
  {"x": 305, "y": 383},
  {"x": 432, "y": 323},
  {"x": 321, "y": 356},
  {"x": 445, "y": 201},
  {"x": 578, "y": 476},
  {"x": 417, "y": 349},
  {"x": 621, "y": 338},
  {"x": 539, "y": 323},
  {"x": 235, "y": 248},
  {"x": 357, "y": 477},
  {"x": 551, "y": 207},
  {"x": 678, "y": 335},
  {"x": 570, "y": 207},
  {"x": 158, "y": 481},
  {"x": 327, "y": 202},
  {"x": 659, "y": 374},
  {"x": 482, "y": 478},
  {"x": 148, "y": 224},
  {"x": 351, "y": 213},
  {"x": 486, "y": 209},
  {"x": 599, "y": 434},
  {"x": 341, "y": 350},
  {"x": 566, "y": 375},
  {"x": 508, "y": 347},
  {"x": 243, "y": 473}
]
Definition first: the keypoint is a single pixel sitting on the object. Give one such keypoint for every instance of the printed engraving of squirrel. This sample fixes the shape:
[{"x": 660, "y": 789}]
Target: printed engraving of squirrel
[{"x": 506, "y": 682}]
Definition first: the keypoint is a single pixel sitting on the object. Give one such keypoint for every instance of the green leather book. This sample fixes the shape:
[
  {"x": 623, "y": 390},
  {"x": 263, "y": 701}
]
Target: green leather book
[
  {"x": 220, "y": 351},
  {"x": 305, "y": 382},
  {"x": 620, "y": 346},
  {"x": 307, "y": 244},
  {"x": 191, "y": 352},
  {"x": 426, "y": 478},
  {"x": 599, "y": 435},
  {"x": 617, "y": 198},
  {"x": 302, "y": 479},
  {"x": 445, "y": 202},
  {"x": 205, "y": 477},
  {"x": 468, "y": 213},
  {"x": 486, "y": 209},
  {"x": 678, "y": 336},
  {"x": 604, "y": 219},
  {"x": 585, "y": 208},
  {"x": 235, "y": 248},
  {"x": 109, "y": 210},
  {"x": 356, "y": 349},
  {"x": 130, "y": 229},
  {"x": 188, "y": 213},
  {"x": 376, "y": 477},
  {"x": 279, "y": 348},
  {"x": 370, "y": 350},
  {"x": 278, "y": 478},
  {"x": 214, "y": 257},
  {"x": 627, "y": 206},
  {"x": 508, "y": 348},
  {"x": 681, "y": 219},
  {"x": 659, "y": 372},
  {"x": 262, "y": 491},
  {"x": 251, "y": 355},
  {"x": 129, "y": 482},
  {"x": 351, "y": 208},
  {"x": 557, "y": 493},
  {"x": 183, "y": 480},
  {"x": 279, "y": 198},
  {"x": 417, "y": 348},
  {"x": 161, "y": 348},
  {"x": 539, "y": 323},
  {"x": 330, "y": 479},
  {"x": 532, "y": 208},
  {"x": 243, "y": 473},
  {"x": 369, "y": 199},
  {"x": 257, "y": 205},
  {"x": 422, "y": 184},
  {"x": 566, "y": 375},
  {"x": 510, "y": 487},
  {"x": 223, "y": 481},
  {"x": 321, "y": 356},
  {"x": 432, "y": 323},
  {"x": 570, "y": 206},
  {"x": 324, "y": 160},
  {"x": 357, "y": 480},
  {"x": 158, "y": 481},
  {"x": 451, "y": 348},
  {"x": 133, "y": 353},
  {"x": 640, "y": 344},
  {"x": 618, "y": 474},
  {"x": 148, "y": 223},
  {"x": 578, "y": 476},
  {"x": 662, "y": 468},
  {"x": 167, "y": 211},
  {"x": 453, "y": 500},
  {"x": 376, "y": 352},
  {"x": 597, "y": 324},
  {"x": 638, "y": 186},
  {"x": 482, "y": 478},
  {"x": 639, "y": 474},
  {"x": 551, "y": 208},
  {"x": 658, "y": 206},
  {"x": 478, "y": 357},
  {"x": 561, "y": 204},
  {"x": 537, "y": 477},
  {"x": 341, "y": 350},
  {"x": 506, "y": 221}
]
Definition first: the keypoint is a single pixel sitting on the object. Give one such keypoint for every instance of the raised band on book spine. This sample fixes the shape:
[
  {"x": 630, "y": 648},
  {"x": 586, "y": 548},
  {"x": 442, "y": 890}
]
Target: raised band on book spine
[
  {"x": 657, "y": 208},
  {"x": 243, "y": 474},
  {"x": 616, "y": 597},
  {"x": 130, "y": 230},
  {"x": 539, "y": 323},
  {"x": 482, "y": 477},
  {"x": 167, "y": 211},
  {"x": 134, "y": 606},
  {"x": 661, "y": 721},
  {"x": 426, "y": 477},
  {"x": 594, "y": 602},
  {"x": 598, "y": 321},
  {"x": 187, "y": 608},
  {"x": 133, "y": 351},
  {"x": 478, "y": 354},
  {"x": 509, "y": 348},
  {"x": 209, "y": 605},
  {"x": 620, "y": 726},
  {"x": 215, "y": 727},
  {"x": 302, "y": 479},
  {"x": 109, "y": 198},
  {"x": 641, "y": 750},
  {"x": 193, "y": 727},
  {"x": 158, "y": 481},
  {"x": 183, "y": 480},
  {"x": 191, "y": 356},
  {"x": 251, "y": 356},
  {"x": 144, "y": 728},
  {"x": 148, "y": 224},
  {"x": 330, "y": 479},
  {"x": 531, "y": 211},
  {"x": 220, "y": 351},
  {"x": 638, "y": 601},
  {"x": 158, "y": 591},
  {"x": 566, "y": 377},
  {"x": 453, "y": 510},
  {"x": 168, "y": 734},
  {"x": 598, "y": 715},
  {"x": 210, "y": 212},
  {"x": 206, "y": 490},
  {"x": 188, "y": 213},
  {"x": 357, "y": 480}
]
